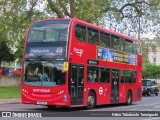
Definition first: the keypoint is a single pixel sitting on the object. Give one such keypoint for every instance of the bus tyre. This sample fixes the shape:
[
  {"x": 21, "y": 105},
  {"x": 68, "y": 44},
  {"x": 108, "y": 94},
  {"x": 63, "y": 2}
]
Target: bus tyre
[
  {"x": 91, "y": 100},
  {"x": 129, "y": 98}
]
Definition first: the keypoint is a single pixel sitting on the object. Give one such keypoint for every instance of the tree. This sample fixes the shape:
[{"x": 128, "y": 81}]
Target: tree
[
  {"x": 120, "y": 15},
  {"x": 131, "y": 17},
  {"x": 5, "y": 53},
  {"x": 151, "y": 71},
  {"x": 88, "y": 10},
  {"x": 19, "y": 15}
]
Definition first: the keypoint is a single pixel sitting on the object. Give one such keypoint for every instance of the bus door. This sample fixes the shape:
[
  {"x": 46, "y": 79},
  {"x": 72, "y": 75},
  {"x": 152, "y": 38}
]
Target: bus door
[
  {"x": 115, "y": 86},
  {"x": 76, "y": 84}
]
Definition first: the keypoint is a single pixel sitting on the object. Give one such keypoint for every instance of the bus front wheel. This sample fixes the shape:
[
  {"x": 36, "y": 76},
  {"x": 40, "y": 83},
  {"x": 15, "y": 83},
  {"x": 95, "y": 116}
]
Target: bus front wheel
[{"x": 91, "y": 100}]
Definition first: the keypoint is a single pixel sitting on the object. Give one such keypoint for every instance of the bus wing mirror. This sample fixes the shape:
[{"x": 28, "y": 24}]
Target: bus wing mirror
[{"x": 65, "y": 66}]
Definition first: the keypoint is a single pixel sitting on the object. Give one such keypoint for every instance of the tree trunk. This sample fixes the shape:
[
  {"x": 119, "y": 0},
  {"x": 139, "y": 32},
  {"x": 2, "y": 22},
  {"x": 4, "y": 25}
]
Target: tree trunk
[{"x": 0, "y": 62}]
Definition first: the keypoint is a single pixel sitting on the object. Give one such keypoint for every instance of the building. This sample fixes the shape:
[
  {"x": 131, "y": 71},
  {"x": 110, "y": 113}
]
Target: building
[{"x": 153, "y": 50}]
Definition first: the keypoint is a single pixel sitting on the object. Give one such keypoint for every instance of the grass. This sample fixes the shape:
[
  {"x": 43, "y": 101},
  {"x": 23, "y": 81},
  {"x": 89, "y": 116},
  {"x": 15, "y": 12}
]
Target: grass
[{"x": 9, "y": 92}]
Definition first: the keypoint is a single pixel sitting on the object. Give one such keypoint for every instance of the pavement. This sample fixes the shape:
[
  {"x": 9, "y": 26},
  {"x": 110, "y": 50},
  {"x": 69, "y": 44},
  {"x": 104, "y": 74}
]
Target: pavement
[{"x": 10, "y": 101}]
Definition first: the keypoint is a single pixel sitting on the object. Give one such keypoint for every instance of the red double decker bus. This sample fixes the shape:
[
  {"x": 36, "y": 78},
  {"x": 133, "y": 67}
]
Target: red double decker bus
[{"x": 69, "y": 62}]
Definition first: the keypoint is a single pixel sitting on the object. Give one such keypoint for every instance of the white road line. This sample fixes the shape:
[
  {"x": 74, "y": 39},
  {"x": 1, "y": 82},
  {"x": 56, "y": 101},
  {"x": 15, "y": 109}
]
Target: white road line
[
  {"x": 157, "y": 118},
  {"x": 22, "y": 108},
  {"x": 10, "y": 108},
  {"x": 130, "y": 106}
]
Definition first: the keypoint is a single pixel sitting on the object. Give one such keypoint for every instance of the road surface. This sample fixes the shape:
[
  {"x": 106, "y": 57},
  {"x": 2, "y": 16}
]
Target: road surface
[{"x": 148, "y": 103}]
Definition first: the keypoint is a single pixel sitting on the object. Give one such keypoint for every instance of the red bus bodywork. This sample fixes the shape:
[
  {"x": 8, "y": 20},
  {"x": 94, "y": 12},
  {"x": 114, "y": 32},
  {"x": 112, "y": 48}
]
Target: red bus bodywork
[{"x": 78, "y": 54}]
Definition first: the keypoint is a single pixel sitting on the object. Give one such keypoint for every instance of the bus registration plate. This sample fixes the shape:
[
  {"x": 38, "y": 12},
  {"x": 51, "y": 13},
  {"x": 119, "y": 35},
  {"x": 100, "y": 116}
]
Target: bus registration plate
[{"x": 41, "y": 103}]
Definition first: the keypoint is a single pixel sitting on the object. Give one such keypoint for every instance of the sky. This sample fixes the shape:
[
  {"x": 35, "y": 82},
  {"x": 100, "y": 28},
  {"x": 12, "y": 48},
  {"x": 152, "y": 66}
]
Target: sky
[{"x": 123, "y": 29}]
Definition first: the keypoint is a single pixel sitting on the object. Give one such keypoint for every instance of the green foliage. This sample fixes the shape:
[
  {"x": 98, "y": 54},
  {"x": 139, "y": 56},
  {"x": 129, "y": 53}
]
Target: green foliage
[
  {"x": 119, "y": 15},
  {"x": 2, "y": 36},
  {"x": 151, "y": 71},
  {"x": 5, "y": 53},
  {"x": 145, "y": 53},
  {"x": 90, "y": 10},
  {"x": 19, "y": 52},
  {"x": 16, "y": 16}
]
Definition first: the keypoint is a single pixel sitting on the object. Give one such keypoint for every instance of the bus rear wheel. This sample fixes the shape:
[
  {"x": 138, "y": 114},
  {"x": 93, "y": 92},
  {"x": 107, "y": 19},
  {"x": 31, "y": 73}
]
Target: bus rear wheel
[
  {"x": 91, "y": 100},
  {"x": 129, "y": 98}
]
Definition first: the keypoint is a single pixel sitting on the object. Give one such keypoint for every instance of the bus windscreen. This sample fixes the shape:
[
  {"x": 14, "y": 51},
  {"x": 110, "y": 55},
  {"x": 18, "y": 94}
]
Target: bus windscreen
[
  {"x": 44, "y": 73},
  {"x": 47, "y": 40},
  {"x": 49, "y": 31}
]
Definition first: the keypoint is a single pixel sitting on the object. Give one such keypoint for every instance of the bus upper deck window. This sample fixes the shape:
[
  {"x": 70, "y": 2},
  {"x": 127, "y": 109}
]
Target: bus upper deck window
[
  {"x": 104, "y": 39},
  {"x": 93, "y": 36},
  {"x": 128, "y": 46},
  {"x": 115, "y": 42},
  {"x": 80, "y": 33},
  {"x": 137, "y": 49}
]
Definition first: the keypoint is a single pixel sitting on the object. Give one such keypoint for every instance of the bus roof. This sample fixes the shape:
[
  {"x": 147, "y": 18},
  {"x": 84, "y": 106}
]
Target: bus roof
[
  {"x": 94, "y": 26},
  {"x": 107, "y": 30}
]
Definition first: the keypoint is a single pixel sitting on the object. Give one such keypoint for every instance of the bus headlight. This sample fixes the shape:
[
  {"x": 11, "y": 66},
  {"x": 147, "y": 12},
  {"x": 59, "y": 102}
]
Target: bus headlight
[
  {"x": 59, "y": 93},
  {"x": 25, "y": 91}
]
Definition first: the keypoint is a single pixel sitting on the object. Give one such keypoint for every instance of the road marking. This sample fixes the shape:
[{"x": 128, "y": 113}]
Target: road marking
[
  {"x": 130, "y": 107},
  {"x": 152, "y": 119},
  {"x": 21, "y": 107},
  {"x": 135, "y": 106}
]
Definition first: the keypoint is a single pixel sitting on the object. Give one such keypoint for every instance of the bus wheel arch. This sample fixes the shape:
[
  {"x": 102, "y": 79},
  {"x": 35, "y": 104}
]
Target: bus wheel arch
[
  {"x": 91, "y": 99},
  {"x": 129, "y": 97}
]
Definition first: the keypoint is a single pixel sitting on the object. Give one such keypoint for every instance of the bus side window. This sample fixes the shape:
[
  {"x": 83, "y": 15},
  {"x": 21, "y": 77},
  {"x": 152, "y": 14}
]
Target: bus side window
[
  {"x": 80, "y": 33},
  {"x": 122, "y": 44},
  {"x": 104, "y": 39},
  {"x": 93, "y": 36},
  {"x": 137, "y": 49},
  {"x": 129, "y": 76},
  {"x": 128, "y": 46},
  {"x": 92, "y": 74},
  {"x": 134, "y": 76},
  {"x": 116, "y": 43},
  {"x": 89, "y": 78},
  {"x": 104, "y": 75},
  {"x": 122, "y": 76}
]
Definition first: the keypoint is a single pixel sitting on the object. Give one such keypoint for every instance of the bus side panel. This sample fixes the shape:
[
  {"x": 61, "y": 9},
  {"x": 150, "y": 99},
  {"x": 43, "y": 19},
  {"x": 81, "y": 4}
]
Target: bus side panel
[{"x": 122, "y": 93}]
